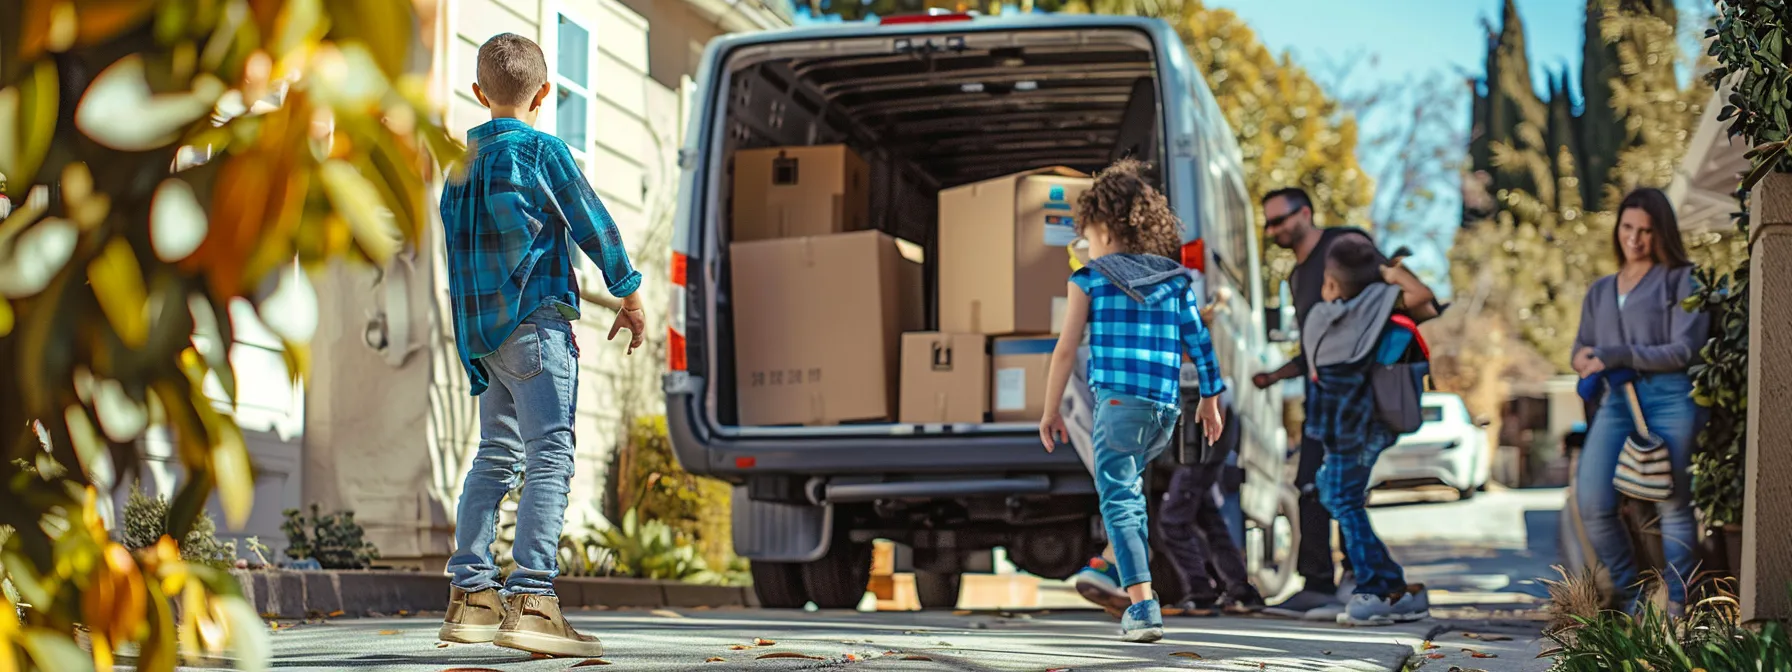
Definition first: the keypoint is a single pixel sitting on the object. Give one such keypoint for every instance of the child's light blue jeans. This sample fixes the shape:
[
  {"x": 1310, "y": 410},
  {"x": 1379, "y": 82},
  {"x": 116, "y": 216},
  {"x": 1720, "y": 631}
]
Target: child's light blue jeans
[
  {"x": 525, "y": 429},
  {"x": 1129, "y": 433}
]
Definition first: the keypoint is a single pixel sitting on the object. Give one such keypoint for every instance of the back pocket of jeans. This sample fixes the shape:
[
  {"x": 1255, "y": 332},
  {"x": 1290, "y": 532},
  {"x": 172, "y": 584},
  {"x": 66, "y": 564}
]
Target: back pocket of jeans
[
  {"x": 1129, "y": 428},
  {"x": 520, "y": 356}
]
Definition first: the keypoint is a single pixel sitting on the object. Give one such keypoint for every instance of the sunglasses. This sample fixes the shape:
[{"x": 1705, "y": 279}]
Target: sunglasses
[{"x": 1274, "y": 222}]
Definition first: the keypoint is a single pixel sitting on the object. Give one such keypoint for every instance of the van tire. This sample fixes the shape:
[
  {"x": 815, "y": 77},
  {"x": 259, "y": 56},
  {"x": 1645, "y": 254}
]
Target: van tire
[
  {"x": 779, "y": 585},
  {"x": 938, "y": 591},
  {"x": 839, "y": 579}
]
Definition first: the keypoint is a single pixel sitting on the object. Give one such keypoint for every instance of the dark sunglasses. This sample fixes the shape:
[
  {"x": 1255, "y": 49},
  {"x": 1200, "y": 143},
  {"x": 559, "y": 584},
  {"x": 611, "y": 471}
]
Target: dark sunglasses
[{"x": 1274, "y": 222}]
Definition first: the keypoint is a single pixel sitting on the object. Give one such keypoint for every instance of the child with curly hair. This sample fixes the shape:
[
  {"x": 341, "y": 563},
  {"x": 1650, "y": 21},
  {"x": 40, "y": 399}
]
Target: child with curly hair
[{"x": 1142, "y": 314}]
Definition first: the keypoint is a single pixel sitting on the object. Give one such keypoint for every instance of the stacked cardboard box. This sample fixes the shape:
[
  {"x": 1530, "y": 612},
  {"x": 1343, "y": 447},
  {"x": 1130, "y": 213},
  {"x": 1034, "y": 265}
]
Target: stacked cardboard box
[
  {"x": 820, "y": 304},
  {"x": 1004, "y": 265}
]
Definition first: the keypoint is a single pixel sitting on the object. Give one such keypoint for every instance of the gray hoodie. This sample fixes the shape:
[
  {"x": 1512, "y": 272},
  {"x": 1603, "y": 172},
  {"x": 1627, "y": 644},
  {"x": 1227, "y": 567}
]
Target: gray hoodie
[
  {"x": 1144, "y": 277},
  {"x": 1344, "y": 332}
]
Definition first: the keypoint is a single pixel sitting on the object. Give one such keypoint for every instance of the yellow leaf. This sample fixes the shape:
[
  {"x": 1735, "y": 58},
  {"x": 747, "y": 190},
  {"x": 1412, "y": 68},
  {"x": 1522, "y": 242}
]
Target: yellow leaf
[
  {"x": 247, "y": 637},
  {"x": 387, "y": 632},
  {"x": 1187, "y": 654},
  {"x": 236, "y": 485},
  {"x": 30, "y": 108},
  {"x": 118, "y": 285},
  {"x": 358, "y": 202},
  {"x": 5, "y": 317}
]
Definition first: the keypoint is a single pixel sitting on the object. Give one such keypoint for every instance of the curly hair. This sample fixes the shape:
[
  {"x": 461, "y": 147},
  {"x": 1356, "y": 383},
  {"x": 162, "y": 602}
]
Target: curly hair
[{"x": 1136, "y": 214}]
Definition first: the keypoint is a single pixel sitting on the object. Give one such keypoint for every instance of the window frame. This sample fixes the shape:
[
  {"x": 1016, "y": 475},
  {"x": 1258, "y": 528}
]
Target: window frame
[{"x": 556, "y": 13}]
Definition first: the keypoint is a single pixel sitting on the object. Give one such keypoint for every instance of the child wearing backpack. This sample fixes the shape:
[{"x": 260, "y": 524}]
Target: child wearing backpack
[
  {"x": 1142, "y": 314},
  {"x": 1345, "y": 337}
]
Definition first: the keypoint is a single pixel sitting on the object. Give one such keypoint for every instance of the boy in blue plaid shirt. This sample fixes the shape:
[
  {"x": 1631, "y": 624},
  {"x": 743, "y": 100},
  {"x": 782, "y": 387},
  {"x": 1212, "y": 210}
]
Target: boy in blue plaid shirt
[
  {"x": 1142, "y": 315},
  {"x": 511, "y": 226},
  {"x": 1360, "y": 297}
]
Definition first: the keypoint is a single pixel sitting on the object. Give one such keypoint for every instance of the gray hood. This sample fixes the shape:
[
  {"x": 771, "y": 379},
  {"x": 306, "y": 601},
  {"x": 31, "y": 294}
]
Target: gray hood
[
  {"x": 1147, "y": 278},
  {"x": 1344, "y": 332}
]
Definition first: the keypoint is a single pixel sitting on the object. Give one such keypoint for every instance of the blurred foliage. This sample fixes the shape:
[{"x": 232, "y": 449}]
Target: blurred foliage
[
  {"x": 1541, "y": 243},
  {"x": 653, "y": 549},
  {"x": 185, "y": 153},
  {"x": 1749, "y": 41},
  {"x": 649, "y": 479},
  {"x": 146, "y": 522},
  {"x": 1708, "y": 637},
  {"x": 335, "y": 541}
]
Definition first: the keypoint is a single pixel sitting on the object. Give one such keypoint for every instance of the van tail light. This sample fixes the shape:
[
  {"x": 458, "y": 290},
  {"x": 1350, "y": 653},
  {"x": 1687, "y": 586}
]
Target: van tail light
[
  {"x": 675, "y": 343},
  {"x": 930, "y": 17}
]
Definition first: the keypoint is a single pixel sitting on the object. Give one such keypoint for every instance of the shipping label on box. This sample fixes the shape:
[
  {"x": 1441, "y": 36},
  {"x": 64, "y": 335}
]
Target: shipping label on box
[
  {"x": 1059, "y": 228},
  {"x": 1020, "y": 365}
]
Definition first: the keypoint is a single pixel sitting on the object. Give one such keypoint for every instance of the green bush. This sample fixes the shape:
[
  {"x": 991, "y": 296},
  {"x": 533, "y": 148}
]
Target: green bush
[
  {"x": 655, "y": 550},
  {"x": 1708, "y": 638},
  {"x": 146, "y": 522},
  {"x": 336, "y": 541},
  {"x": 649, "y": 479}
]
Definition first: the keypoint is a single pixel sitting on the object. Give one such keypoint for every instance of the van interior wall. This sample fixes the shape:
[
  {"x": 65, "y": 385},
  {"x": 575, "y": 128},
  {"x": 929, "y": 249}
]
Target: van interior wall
[{"x": 1078, "y": 105}]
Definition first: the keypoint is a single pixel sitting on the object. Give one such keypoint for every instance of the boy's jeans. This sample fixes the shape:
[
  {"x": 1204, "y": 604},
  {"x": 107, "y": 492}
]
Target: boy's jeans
[
  {"x": 1343, "y": 482},
  {"x": 1669, "y": 410},
  {"x": 525, "y": 429},
  {"x": 1129, "y": 433}
]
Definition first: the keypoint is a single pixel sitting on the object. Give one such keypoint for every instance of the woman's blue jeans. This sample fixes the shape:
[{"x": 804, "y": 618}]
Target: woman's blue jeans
[
  {"x": 1669, "y": 411},
  {"x": 1129, "y": 433}
]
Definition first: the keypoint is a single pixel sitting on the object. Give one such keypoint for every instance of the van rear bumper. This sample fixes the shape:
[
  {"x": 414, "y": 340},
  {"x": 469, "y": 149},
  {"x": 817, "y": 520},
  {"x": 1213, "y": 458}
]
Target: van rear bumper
[{"x": 703, "y": 452}]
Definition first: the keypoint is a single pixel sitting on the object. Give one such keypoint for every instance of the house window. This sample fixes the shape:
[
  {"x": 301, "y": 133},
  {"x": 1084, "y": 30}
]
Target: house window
[{"x": 572, "y": 87}]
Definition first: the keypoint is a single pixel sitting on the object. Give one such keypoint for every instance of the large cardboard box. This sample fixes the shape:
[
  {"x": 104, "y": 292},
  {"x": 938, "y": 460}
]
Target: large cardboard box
[
  {"x": 789, "y": 192},
  {"x": 1020, "y": 367},
  {"x": 817, "y": 326},
  {"x": 1003, "y": 257},
  {"x": 945, "y": 378}
]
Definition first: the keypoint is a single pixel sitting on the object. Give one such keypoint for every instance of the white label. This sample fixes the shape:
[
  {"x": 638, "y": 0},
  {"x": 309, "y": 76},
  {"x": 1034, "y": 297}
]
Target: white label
[
  {"x": 1011, "y": 389},
  {"x": 1060, "y": 230},
  {"x": 1059, "y": 305}
]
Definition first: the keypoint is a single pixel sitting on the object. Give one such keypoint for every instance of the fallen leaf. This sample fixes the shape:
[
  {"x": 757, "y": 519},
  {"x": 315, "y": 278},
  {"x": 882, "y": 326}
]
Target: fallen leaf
[
  {"x": 716, "y": 659},
  {"x": 763, "y": 642},
  {"x": 591, "y": 662},
  {"x": 916, "y": 657},
  {"x": 1428, "y": 646},
  {"x": 1478, "y": 654},
  {"x": 852, "y": 657},
  {"x": 962, "y": 612},
  {"x": 404, "y": 612},
  {"x": 787, "y": 654},
  {"x": 388, "y": 632},
  {"x": 336, "y": 614},
  {"x": 441, "y": 645},
  {"x": 1435, "y": 656},
  {"x": 1186, "y": 654},
  {"x": 943, "y": 644},
  {"x": 1487, "y": 638},
  {"x": 666, "y": 613},
  {"x": 539, "y": 656},
  {"x": 739, "y": 647}
]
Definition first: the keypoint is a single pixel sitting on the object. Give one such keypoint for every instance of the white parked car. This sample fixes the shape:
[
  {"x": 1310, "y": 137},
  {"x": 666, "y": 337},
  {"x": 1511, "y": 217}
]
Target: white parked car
[{"x": 1451, "y": 448}]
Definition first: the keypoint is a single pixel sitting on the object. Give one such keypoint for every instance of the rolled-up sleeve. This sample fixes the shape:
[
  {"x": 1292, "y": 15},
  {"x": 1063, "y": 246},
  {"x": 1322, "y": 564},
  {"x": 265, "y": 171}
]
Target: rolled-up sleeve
[{"x": 589, "y": 222}]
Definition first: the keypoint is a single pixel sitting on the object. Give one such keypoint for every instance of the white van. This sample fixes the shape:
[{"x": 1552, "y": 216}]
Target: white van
[{"x": 931, "y": 102}]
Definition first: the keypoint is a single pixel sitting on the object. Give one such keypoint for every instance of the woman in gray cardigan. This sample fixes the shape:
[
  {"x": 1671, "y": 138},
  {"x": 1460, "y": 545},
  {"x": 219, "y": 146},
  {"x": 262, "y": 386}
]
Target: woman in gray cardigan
[{"x": 1634, "y": 320}]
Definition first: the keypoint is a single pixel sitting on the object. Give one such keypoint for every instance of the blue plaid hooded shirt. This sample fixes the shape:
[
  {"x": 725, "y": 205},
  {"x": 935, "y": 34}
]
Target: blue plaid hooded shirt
[
  {"x": 1139, "y": 330},
  {"x": 510, "y": 227}
]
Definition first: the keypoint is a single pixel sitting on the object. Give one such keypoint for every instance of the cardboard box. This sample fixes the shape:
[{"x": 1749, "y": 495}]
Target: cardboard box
[
  {"x": 945, "y": 378},
  {"x": 1018, "y": 382},
  {"x": 818, "y": 322},
  {"x": 1003, "y": 253},
  {"x": 790, "y": 192}
]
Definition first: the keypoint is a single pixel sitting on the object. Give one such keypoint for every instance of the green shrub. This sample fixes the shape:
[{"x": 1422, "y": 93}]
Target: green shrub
[
  {"x": 1708, "y": 638},
  {"x": 649, "y": 479},
  {"x": 336, "y": 541},
  {"x": 146, "y": 522},
  {"x": 655, "y": 550}
]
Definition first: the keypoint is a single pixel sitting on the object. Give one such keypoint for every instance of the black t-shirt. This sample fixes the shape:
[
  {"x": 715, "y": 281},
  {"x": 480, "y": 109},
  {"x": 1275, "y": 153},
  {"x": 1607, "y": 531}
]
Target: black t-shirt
[{"x": 1308, "y": 278}]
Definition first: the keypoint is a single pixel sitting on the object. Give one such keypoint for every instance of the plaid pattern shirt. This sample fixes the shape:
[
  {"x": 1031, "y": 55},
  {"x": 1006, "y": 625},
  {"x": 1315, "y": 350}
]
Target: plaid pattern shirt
[
  {"x": 510, "y": 226},
  {"x": 1136, "y": 349},
  {"x": 1341, "y": 410}
]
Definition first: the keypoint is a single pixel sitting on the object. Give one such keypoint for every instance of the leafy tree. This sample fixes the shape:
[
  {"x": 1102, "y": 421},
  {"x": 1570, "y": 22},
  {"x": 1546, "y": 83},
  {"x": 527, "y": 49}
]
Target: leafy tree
[{"x": 180, "y": 154}]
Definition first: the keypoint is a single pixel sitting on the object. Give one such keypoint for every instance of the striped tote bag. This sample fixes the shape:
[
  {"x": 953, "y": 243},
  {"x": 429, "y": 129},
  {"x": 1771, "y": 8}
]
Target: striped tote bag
[{"x": 1645, "y": 469}]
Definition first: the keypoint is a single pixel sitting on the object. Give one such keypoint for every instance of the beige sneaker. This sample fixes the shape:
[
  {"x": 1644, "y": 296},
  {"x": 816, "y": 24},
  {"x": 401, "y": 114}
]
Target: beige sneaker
[
  {"x": 535, "y": 624},
  {"x": 473, "y": 618}
]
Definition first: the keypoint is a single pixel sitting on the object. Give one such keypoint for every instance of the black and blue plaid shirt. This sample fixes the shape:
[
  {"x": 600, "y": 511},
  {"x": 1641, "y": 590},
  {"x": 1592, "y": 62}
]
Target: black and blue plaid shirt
[
  {"x": 1341, "y": 410},
  {"x": 510, "y": 226},
  {"x": 1136, "y": 349}
]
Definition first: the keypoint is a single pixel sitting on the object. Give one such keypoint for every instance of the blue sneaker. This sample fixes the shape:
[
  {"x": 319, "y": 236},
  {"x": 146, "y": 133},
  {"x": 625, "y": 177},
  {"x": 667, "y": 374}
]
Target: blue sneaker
[
  {"x": 1143, "y": 623},
  {"x": 1100, "y": 583}
]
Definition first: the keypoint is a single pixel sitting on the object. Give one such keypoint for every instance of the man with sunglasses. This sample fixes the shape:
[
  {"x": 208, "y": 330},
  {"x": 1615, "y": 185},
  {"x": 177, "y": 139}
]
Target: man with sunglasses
[{"x": 1289, "y": 222}]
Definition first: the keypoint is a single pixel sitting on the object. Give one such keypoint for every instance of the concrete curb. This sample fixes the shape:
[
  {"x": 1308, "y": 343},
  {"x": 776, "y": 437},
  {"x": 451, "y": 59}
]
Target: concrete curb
[{"x": 301, "y": 594}]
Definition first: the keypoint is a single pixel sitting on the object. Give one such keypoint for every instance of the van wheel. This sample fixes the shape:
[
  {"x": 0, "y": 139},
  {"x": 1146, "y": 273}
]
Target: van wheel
[
  {"x": 1272, "y": 553},
  {"x": 938, "y": 590},
  {"x": 779, "y": 585},
  {"x": 838, "y": 580}
]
